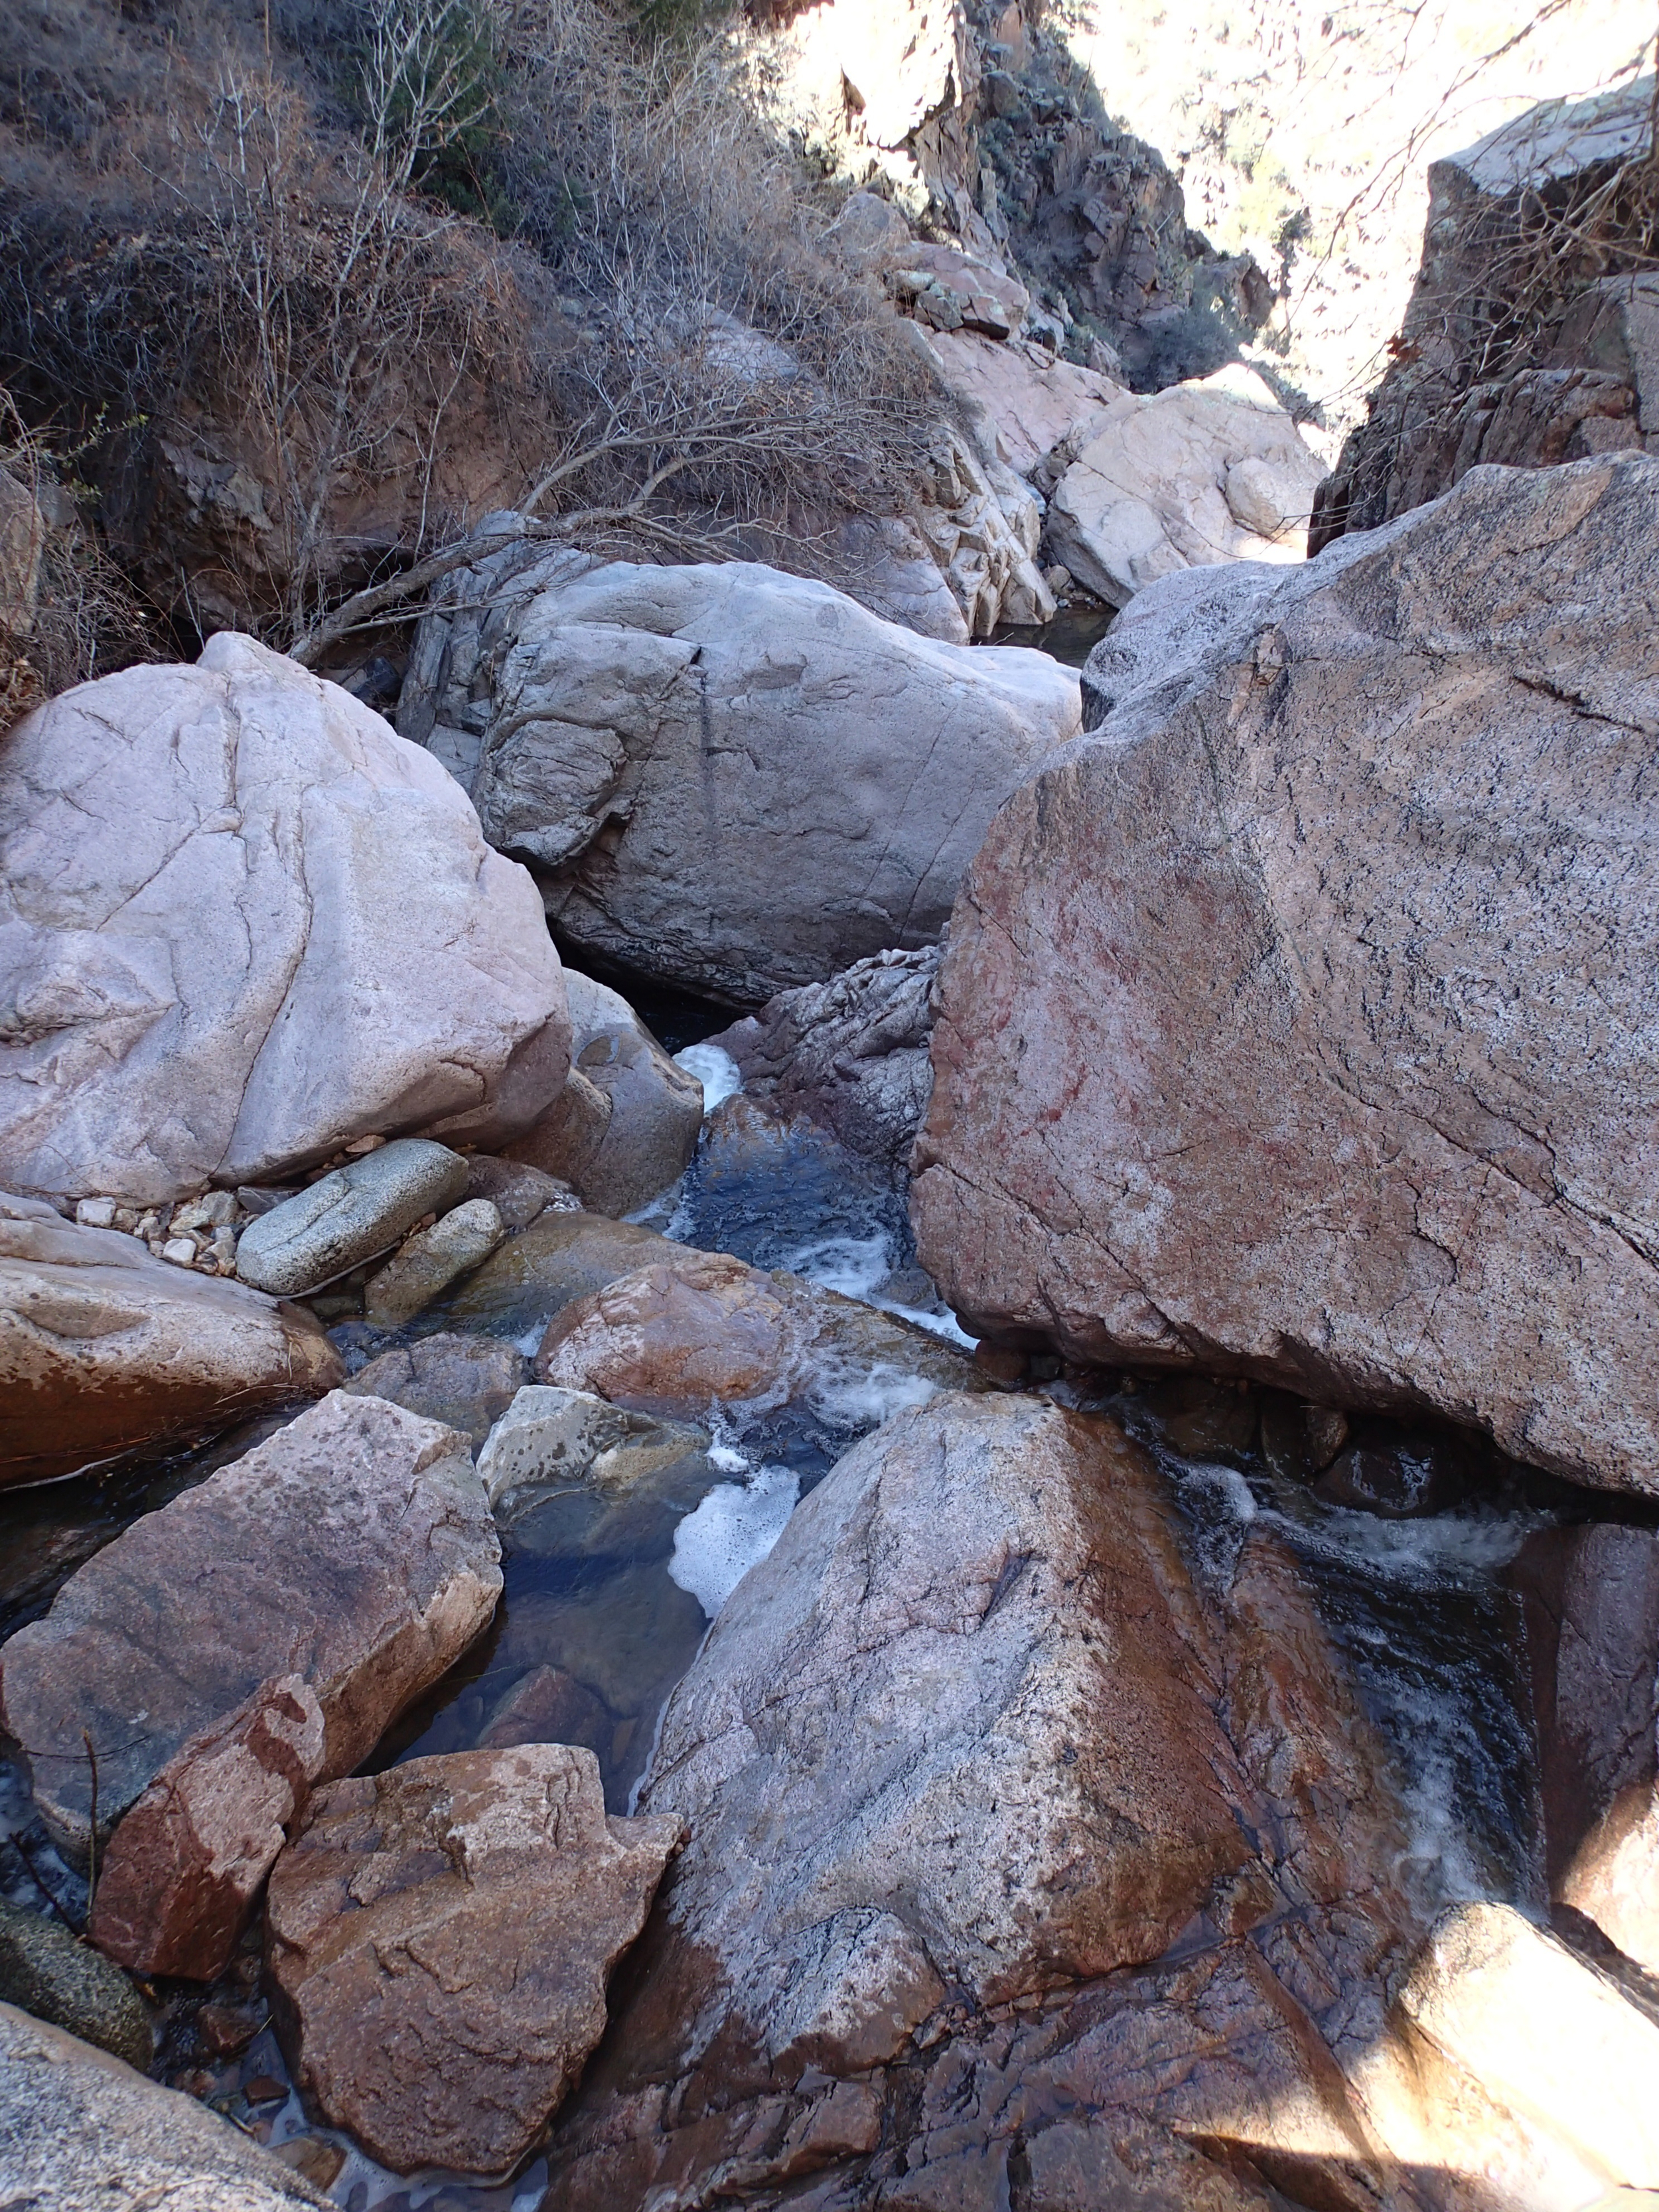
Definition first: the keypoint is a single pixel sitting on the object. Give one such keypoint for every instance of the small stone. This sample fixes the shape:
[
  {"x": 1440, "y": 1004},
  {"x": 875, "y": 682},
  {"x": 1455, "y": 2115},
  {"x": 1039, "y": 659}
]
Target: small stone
[
  {"x": 348, "y": 1217},
  {"x": 319, "y": 2162},
  {"x": 518, "y": 1192},
  {"x": 431, "y": 1261},
  {"x": 95, "y": 1212},
  {"x": 46, "y": 1970},
  {"x": 180, "y": 1251},
  {"x": 227, "y": 2029},
  {"x": 360, "y": 1147},
  {"x": 264, "y": 2089}
]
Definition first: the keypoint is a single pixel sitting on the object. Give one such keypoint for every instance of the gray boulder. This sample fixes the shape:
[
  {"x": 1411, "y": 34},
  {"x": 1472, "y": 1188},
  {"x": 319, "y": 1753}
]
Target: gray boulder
[
  {"x": 80, "y": 2131},
  {"x": 1299, "y": 1023},
  {"x": 425, "y": 1265},
  {"x": 350, "y": 1216},
  {"x": 46, "y": 1970},
  {"x": 723, "y": 776},
  {"x": 241, "y": 924}
]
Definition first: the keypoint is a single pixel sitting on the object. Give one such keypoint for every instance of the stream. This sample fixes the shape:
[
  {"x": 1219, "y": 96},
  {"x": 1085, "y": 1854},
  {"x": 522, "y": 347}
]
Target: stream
[{"x": 618, "y": 1602}]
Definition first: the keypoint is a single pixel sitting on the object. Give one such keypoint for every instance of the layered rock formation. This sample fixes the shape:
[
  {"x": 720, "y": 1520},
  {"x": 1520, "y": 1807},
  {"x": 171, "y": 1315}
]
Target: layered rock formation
[
  {"x": 105, "y": 1349},
  {"x": 371, "y": 966},
  {"x": 723, "y": 777},
  {"x": 1296, "y": 1021}
]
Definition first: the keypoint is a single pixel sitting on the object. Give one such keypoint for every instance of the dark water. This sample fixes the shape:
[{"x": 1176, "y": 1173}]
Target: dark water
[{"x": 1071, "y": 637}]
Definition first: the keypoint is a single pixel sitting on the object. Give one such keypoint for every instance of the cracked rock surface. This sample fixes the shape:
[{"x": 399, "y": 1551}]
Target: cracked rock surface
[
  {"x": 243, "y": 923},
  {"x": 1300, "y": 1021},
  {"x": 725, "y": 777},
  {"x": 440, "y": 1939}
]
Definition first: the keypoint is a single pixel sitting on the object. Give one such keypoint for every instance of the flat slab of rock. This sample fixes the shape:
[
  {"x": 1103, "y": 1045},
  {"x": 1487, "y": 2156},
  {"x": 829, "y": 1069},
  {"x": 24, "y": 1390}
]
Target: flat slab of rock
[
  {"x": 354, "y": 1549},
  {"x": 431, "y": 1260},
  {"x": 80, "y": 2131},
  {"x": 440, "y": 1939},
  {"x": 1340, "y": 1074},
  {"x": 725, "y": 777},
  {"x": 378, "y": 968},
  {"x": 348, "y": 1215},
  {"x": 104, "y": 1350},
  {"x": 1196, "y": 474}
]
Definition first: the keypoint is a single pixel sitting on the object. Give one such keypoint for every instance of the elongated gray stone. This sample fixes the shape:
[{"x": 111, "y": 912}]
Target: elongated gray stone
[
  {"x": 432, "y": 1260},
  {"x": 360, "y": 1210}
]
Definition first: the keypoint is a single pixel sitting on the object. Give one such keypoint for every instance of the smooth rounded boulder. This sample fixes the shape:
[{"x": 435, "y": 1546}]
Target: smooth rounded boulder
[
  {"x": 1300, "y": 1021},
  {"x": 725, "y": 777},
  {"x": 105, "y": 1349},
  {"x": 243, "y": 923}
]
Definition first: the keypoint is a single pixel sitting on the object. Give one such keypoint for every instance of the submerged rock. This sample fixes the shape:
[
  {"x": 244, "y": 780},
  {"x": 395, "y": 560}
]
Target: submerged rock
[
  {"x": 465, "y": 1381},
  {"x": 105, "y": 1349},
  {"x": 354, "y": 1548},
  {"x": 559, "y": 1257},
  {"x": 1337, "y": 1075},
  {"x": 45, "y": 1971},
  {"x": 348, "y": 1215},
  {"x": 367, "y": 964},
  {"x": 440, "y": 1939},
  {"x": 727, "y": 777},
  {"x": 80, "y": 2131}
]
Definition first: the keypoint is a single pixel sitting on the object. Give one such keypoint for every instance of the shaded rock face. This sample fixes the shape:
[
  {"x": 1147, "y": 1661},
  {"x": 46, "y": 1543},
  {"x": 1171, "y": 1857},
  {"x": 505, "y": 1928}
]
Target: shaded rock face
[
  {"x": 465, "y": 1381},
  {"x": 1296, "y": 1024},
  {"x": 439, "y": 1938},
  {"x": 104, "y": 1350},
  {"x": 725, "y": 777},
  {"x": 959, "y": 1760},
  {"x": 373, "y": 966},
  {"x": 1483, "y": 372},
  {"x": 851, "y": 1052},
  {"x": 83, "y": 2132},
  {"x": 1200, "y": 473},
  {"x": 354, "y": 1549},
  {"x": 622, "y": 1158}
]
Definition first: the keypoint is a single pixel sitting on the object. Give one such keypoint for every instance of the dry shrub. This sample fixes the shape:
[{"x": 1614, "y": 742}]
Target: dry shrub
[{"x": 219, "y": 250}]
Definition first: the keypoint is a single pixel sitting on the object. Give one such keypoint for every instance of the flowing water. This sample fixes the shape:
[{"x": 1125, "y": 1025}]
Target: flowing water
[{"x": 604, "y": 1610}]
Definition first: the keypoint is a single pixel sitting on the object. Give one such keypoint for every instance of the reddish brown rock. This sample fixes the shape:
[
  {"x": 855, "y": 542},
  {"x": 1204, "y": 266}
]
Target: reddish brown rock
[
  {"x": 104, "y": 1350},
  {"x": 182, "y": 1871},
  {"x": 1296, "y": 1023},
  {"x": 354, "y": 1548},
  {"x": 440, "y": 1939}
]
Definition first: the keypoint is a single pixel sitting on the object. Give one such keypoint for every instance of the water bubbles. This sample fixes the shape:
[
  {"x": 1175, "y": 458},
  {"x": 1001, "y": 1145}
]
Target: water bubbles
[{"x": 716, "y": 1069}]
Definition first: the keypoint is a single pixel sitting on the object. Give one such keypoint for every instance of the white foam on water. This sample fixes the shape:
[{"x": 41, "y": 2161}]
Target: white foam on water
[
  {"x": 849, "y": 1395},
  {"x": 716, "y": 1069},
  {"x": 733, "y": 1529},
  {"x": 857, "y": 1267}
]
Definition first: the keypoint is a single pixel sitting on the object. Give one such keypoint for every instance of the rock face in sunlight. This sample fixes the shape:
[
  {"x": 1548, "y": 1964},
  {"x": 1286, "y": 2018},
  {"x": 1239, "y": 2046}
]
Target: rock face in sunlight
[
  {"x": 244, "y": 923},
  {"x": 440, "y": 1936},
  {"x": 354, "y": 1549},
  {"x": 962, "y": 1757},
  {"x": 725, "y": 777},
  {"x": 1198, "y": 474},
  {"x": 104, "y": 1349},
  {"x": 1299, "y": 1023}
]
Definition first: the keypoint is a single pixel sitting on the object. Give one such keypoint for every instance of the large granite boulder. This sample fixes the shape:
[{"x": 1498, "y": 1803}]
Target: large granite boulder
[
  {"x": 723, "y": 776},
  {"x": 1298, "y": 1023},
  {"x": 851, "y": 1054},
  {"x": 354, "y": 1549},
  {"x": 1008, "y": 1840},
  {"x": 80, "y": 2131},
  {"x": 1197, "y": 474},
  {"x": 105, "y": 1349},
  {"x": 244, "y": 923},
  {"x": 440, "y": 1936}
]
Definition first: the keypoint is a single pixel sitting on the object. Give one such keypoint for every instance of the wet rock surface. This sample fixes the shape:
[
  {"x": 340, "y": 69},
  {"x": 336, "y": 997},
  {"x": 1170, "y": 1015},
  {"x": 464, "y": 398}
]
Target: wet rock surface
[
  {"x": 465, "y": 1381},
  {"x": 656, "y": 1107},
  {"x": 1393, "y": 1155},
  {"x": 694, "y": 761},
  {"x": 354, "y": 1549},
  {"x": 427, "y": 1263},
  {"x": 372, "y": 966},
  {"x": 105, "y": 1349},
  {"x": 439, "y": 1941},
  {"x": 83, "y": 2132}
]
